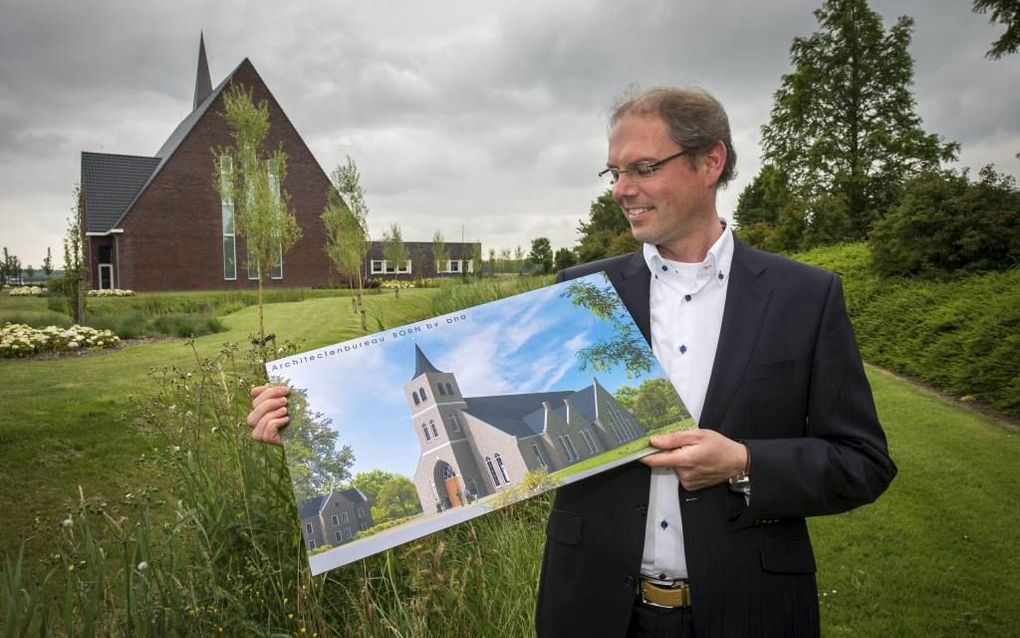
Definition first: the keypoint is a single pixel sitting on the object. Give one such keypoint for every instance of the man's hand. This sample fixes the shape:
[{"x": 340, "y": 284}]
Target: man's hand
[
  {"x": 268, "y": 413},
  {"x": 700, "y": 458}
]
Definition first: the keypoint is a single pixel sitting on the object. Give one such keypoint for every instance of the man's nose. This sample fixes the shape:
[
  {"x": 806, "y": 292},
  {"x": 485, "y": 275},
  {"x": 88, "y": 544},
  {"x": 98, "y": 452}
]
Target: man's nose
[{"x": 624, "y": 187}]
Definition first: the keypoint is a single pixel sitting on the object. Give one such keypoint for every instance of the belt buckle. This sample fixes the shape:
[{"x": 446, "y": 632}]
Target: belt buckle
[{"x": 681, "y": 588}]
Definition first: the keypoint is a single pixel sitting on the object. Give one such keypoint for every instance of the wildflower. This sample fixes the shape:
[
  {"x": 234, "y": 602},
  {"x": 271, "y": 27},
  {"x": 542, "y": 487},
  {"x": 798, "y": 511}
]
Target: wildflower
[
  {"x": 142, "y": 566},
  {"x": 67, "y": 522}
]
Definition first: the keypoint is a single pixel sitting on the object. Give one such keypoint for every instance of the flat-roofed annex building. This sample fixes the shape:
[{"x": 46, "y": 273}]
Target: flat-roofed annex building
[{"x": 155, "y": 223}]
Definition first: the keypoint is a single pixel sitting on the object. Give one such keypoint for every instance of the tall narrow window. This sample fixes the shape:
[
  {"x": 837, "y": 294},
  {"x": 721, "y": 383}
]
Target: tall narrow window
[
  {"x": 421, "y": 393},
  {"x": 425, "y": 429},
  {"x": 441, "y": 390},
  {"x": 455, "y": 423},
  {"x": 435, "y": 432},
  {"x": 449, "y": 389},
  {"x": 227, "y": 213},
  {"x": 568, "y": 448},
  {"x": 538, "y": 455},
  {"x": 502, "y": 468},
  {"x": 492, "y": 471},
  {"x": 276, "y": 270},
  {"x": 590, "y": 441}
]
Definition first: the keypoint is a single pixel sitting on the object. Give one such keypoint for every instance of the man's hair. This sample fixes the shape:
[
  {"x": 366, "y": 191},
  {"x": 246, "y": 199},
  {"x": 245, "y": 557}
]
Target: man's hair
[{"x": 694, "y": 119}]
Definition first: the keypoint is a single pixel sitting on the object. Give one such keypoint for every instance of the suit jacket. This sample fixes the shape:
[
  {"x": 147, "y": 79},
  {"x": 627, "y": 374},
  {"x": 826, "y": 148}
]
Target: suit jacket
[{"x": 788, "y": 381}]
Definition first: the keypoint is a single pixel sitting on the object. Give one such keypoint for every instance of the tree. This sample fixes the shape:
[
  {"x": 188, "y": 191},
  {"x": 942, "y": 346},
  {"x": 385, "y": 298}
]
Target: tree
[
  {"x": 394, "y": 251},
  {"x": 251, "y": 179},
  {"x": 469, "y": 254},
  {"x": 439, "y": 251},
  {"x": 345, "y": 218},
  {"x": 564, "y": 259},
  {"x": 47, "y": 264},
  {"x": 626, "y": 347},
  {"x": 947, "y": 223},
  {"x": 606, "y": 232},
  {"x": 843, "y": 123},
  {"x": 10, "y": 267},
  {"x": 658, "y": 405},
  {"x": 1006, "y": 13},
  {"x": 371, "y": 482},
  {"x": 541, "y": 254},
  {"x": 315, "y": 463},
  {"x": 76, "y": 266},
  {"x": 492, "y": 261},
  {"x": 398, "y": 498},
  {"x": 29, "y": 272}
]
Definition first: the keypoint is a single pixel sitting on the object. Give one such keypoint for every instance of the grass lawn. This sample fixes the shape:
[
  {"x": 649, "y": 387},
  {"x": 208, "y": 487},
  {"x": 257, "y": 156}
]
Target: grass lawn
[
  {"x": 63, "y": 423},
  {"x": 935, "y": 556}
]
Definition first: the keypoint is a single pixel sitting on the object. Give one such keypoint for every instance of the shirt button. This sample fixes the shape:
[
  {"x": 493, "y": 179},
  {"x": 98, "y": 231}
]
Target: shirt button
[
  {"x": 664, "y": 524},
  {"x": 687, "y": 297},
  {"x": 720, "y": 275},
  {"x": 682, "y": 349},
  {"x": 665, "y": 268}
]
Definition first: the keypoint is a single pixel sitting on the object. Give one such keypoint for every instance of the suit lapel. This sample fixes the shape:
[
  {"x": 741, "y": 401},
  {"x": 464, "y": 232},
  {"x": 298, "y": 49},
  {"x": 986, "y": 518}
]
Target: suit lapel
[{"x": 746, "y": 300}]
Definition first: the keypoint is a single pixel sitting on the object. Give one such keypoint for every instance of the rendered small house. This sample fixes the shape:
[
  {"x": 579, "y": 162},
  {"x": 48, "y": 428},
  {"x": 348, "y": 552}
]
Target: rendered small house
[
  {"x": 334, "y": 518},
  {"x": 472, "y": 447}
]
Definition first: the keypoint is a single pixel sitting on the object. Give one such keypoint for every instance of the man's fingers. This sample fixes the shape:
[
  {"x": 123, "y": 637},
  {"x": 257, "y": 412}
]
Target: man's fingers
[
  {"x": 268, "y": 428},
  {"x": 265, "y": 407},
  {"x": 672, "y": 440},
  {"x": 669, "y": 458}
]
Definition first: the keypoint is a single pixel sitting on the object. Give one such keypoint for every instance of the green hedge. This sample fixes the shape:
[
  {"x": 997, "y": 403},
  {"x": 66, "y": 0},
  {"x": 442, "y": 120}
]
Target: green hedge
[{"x": 961, "y": 336}]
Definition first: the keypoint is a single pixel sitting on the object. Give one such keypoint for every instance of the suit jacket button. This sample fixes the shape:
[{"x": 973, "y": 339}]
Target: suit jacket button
[{"x": 630, "y": 581}]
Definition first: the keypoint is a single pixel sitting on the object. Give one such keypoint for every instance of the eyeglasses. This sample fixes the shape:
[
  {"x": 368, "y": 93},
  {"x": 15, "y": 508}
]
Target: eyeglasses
[{"x": 638, "y": 171}]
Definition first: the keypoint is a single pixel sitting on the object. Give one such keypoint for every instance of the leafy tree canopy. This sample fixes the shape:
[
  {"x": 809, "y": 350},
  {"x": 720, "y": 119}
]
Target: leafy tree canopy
[
  {"x": 625, "y": 347},
  {"x": 541, "y": 254},
  {"x": 606, "y": 233},
  {"x": 1006, "y": 13},
  {"x": 658, "y": 405},
  {"x": 316, "y": 464},
  {"x": 564, "y": 259},
  {"x": 843, "y": 125}
]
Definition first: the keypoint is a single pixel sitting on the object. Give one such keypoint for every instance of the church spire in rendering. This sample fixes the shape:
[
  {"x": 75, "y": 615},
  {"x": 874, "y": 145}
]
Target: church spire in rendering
[{"x": 203, "y": 83}]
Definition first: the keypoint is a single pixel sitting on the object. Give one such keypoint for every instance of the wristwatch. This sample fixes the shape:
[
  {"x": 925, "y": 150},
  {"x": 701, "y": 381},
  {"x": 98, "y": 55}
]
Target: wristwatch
[{"x": 741, "y": 483}]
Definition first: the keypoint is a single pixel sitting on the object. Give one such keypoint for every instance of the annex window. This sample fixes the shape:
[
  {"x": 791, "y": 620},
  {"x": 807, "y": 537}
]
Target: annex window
[
  {"x": 348, "y": 534},
  {"x": 311, "y": 543},
  {"x": 455, "y": 423},
  {"x": 227, "y": 213},
  {"x": 453, "y": 265},
  {"x": 568, "y": 448},
  {"x": 377, "y": 267},
  {"x": 361, "y": 512},
  {"x": 537, "y": 449},
  {"x": 492, "y": 471},
  {"x": 589, "y": 440},
  {"x": 338, "y": 536},
  {"x": 308, "y": 527},
  {"x": 336, "y": 520},
  {"x": 343, "y": 518},
  {"x": 502, "y": 468}
]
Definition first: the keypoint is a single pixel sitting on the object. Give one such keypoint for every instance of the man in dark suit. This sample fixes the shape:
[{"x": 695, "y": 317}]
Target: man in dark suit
[{"x": 707, "y": 537}]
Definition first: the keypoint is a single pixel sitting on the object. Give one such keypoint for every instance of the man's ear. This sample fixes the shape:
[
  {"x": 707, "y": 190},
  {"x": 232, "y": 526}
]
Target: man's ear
[{"x": 713, "y": 161}]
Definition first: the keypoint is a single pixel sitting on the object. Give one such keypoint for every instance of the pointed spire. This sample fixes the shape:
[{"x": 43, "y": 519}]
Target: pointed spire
[
  {"x": 203, "y": 83},
  {"x": 422, "y": 364}
]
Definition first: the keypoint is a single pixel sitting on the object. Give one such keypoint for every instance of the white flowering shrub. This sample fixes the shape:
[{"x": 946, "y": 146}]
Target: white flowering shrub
[
  {"x": 111, "y": 292},
  {"x": 26, "y": 291},
  {"x": 19, "y": 340}
]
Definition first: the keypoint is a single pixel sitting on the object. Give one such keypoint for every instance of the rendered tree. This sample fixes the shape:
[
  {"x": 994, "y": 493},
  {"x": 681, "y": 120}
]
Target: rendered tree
[
  {"x": 397, "y": 498},
  {"x": 439, "y": 250},
  {"x": 658, "y": 405},
  {"x": 394, "y": 251},
  {"x": 316, "y": 464},
  {"x": 626, "y": 347},
  {"x": 1006, "y": 13},
  {"x": 346, "y": 224},
  {"x": 542, "y": 254},
  {"x": 843, "y": 123},
  {"x": 252, "y": 178},
  {"x": 606, "y": 233}
]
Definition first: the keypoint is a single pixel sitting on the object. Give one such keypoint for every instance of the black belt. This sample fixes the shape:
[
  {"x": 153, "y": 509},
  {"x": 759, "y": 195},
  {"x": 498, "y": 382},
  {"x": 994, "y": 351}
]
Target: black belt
[{"x": 663, "y": 593}]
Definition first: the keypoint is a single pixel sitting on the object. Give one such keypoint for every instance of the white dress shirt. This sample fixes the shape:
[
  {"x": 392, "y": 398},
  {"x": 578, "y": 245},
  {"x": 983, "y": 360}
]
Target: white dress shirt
[{"x": 686, "y": 307}]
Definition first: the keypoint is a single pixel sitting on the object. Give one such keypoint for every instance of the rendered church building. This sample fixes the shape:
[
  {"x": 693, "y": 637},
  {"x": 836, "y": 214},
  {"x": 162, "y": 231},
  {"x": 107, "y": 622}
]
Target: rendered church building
[{"x": 472, "y": 447}]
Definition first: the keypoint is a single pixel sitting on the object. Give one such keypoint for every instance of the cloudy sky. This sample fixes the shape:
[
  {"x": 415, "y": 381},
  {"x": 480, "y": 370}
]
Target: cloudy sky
[{"x": 480, "y": 119}]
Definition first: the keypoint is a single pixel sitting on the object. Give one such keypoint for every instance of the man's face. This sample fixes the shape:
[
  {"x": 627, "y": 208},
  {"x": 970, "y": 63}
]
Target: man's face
[{"x": 675, "y": 201}]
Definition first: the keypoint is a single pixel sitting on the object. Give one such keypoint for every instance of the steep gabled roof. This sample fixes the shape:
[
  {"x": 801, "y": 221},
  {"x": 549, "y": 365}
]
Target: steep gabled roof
[
  {"x": 508, "y": 413},
  {"x": 110, "y": 183},
  {"x": 311, "y": 506}
]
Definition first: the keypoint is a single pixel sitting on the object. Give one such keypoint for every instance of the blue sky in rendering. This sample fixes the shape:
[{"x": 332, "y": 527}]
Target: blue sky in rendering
[{"x": 521, "y": 344}]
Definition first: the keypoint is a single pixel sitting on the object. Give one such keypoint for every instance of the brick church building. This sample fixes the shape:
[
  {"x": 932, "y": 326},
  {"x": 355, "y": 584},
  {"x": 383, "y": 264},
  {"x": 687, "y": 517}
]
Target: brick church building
[{"x": 156, "y": 223}]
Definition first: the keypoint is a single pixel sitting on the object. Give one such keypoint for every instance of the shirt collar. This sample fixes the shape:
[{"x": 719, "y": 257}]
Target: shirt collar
[{"x": 716, "y": 263}]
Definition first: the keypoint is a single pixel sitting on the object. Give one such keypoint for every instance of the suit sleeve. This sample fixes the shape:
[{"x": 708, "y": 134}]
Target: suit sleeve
[{"x": 842, "y": 461}]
